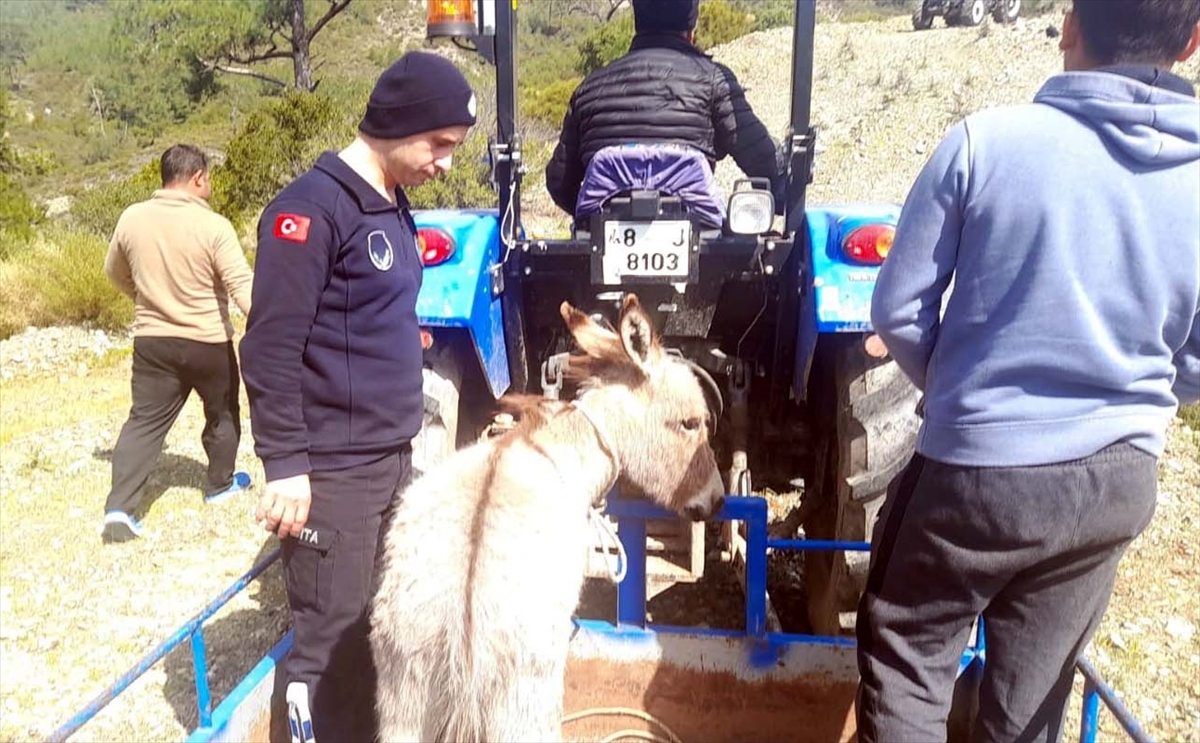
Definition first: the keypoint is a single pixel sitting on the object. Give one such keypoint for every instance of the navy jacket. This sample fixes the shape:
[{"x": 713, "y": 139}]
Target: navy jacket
[{"x": 332, "y": 352}]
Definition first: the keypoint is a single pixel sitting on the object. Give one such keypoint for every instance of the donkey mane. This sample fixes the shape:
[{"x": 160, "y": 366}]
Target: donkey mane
[
  {"x": 531, "y": 412},
  {"x": 587, "y": 372}
]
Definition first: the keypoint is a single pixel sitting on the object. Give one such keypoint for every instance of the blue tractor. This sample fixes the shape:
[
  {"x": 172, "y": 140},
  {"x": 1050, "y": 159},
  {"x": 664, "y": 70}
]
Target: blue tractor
[{"x": 773, "y": 313}]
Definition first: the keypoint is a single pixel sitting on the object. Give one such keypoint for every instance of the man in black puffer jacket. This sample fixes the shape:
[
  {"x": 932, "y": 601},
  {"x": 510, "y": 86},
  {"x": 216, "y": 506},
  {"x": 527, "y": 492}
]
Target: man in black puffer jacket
[{"x": 664, "y": 90}]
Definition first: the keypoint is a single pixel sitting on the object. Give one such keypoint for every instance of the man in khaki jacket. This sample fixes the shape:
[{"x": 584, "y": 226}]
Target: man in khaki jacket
[{"x": 180, "y": 263}]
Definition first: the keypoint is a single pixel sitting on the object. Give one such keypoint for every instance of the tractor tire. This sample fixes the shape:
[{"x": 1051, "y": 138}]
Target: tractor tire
[
  {"x": 1006, "y": 11},
  {"x": 971, "y": 13},
  {"x": 922, "y": 21},
  {"x": 866, "y": 427},
  {"x": 442, "y": 384}
]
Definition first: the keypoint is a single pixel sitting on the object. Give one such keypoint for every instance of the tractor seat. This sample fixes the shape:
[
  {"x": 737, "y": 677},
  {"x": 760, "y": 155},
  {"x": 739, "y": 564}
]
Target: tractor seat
[{"x": 671, "y": 170}]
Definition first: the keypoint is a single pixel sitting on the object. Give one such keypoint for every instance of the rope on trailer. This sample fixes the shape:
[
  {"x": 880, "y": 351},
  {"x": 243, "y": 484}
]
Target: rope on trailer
[
  {"x": 671, "y": 737},
  {"x": 606, "y": 533}
]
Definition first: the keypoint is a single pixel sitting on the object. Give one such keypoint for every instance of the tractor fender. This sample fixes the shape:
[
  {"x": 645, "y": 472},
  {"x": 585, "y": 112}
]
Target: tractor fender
[
  {"x": 464, "y": 291},
  {"x": 835, "y": 291}
]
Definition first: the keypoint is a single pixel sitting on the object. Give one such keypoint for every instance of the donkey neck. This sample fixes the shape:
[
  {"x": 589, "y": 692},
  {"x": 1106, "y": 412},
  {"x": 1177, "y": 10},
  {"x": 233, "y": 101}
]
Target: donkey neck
[{"x": 605, "y": 442}]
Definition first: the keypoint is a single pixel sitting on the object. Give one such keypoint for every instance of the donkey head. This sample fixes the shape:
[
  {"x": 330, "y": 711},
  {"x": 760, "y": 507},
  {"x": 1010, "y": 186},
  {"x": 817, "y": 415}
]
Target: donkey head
[{"x": 650, "y": 407}]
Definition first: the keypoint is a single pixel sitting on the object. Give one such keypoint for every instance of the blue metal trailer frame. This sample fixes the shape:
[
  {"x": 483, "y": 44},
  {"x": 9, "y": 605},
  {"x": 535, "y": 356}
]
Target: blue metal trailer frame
[{"x": 251, "y": 697}]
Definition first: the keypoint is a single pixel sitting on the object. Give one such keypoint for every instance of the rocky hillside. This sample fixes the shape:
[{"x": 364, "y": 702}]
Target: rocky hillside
[{"x": 884, "y": 95}]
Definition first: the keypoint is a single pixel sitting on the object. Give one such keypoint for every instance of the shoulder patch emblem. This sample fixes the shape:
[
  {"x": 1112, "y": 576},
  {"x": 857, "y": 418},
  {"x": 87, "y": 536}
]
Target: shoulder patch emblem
[{"x": 292, "y": 227}]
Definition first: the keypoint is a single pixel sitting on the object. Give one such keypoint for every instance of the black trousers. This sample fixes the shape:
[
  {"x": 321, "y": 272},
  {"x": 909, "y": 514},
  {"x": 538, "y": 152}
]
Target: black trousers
[
  {"x": 331, "y": 578},
  {"x": 165, "y": 371},
  {"x": 1034, "y": 550}
]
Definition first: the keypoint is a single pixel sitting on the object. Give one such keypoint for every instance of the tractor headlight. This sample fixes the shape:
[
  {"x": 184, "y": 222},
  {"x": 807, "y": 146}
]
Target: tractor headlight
[{"x": 751, "y": 211}]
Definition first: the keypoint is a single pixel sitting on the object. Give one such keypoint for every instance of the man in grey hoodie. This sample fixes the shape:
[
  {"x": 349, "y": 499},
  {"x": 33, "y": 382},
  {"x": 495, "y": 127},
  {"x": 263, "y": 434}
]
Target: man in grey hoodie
[{"x": 1070, "y": 228}]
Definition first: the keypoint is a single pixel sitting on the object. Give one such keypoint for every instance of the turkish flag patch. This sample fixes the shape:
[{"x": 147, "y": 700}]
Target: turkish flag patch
[{"x": 292, "y": 227}]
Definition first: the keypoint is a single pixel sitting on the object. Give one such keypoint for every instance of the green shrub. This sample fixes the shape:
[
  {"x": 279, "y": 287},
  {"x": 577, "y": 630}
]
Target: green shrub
[
  {"x": 547, "y": 80},
  {"x": 17, "y": 303},
  {"x": 18, "y": 214},
  {"x": 721, "y": 22},
  {"x": 14, "y": 243},
  {"x": 605, "y": 43},
  {"x": 59, "y": 280},
  {"x": 97, "y": 209},
  {"x": 275, "y": 145},
  {"x": 769, "y": 13},
  {"x": 548, "y": 103}
]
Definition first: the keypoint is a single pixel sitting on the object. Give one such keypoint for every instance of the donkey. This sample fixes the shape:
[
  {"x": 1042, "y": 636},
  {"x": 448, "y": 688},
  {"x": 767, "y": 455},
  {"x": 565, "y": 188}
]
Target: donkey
[{"x": 484, "y": 559}]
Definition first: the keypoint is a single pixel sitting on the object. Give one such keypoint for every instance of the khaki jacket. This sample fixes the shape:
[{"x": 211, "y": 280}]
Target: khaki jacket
[{"x": 180, "y": 262}]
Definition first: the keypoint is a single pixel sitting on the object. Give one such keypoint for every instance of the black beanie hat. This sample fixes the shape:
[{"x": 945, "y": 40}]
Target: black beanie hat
[
  {"x": 420, "y": 92},
  {"x": 665, "y": 15}
]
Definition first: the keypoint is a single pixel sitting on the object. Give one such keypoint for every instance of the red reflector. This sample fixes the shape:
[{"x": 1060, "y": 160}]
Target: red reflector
[
  {"x": 426, "y": 340},
  {"x": 436, "y": 246},
  {"x": 869, "y": 244}
]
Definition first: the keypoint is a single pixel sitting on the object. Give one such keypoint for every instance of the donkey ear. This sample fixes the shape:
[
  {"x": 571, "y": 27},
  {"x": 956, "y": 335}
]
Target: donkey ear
[
  {"x": 637, "y": 333},
  {"x": 594, "y": 339}
]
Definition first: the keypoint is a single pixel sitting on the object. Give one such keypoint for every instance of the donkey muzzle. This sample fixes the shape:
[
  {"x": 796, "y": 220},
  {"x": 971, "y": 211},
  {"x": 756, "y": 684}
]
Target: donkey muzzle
[{"x": 703, "y": 513}]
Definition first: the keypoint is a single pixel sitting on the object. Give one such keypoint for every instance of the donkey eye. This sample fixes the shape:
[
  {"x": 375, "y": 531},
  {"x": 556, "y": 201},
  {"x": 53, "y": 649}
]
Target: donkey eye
[{"x": 692, "y": 424}]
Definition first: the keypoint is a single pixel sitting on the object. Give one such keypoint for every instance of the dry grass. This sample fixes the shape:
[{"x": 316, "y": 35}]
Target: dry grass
[
  {"x": 58, "y": 278},
  {"x": 75, "y": 614}
]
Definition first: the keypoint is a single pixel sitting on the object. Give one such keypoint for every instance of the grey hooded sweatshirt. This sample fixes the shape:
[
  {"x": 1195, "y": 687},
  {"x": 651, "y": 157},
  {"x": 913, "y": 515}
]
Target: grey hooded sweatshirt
[{"x": 1071, "y": 230}]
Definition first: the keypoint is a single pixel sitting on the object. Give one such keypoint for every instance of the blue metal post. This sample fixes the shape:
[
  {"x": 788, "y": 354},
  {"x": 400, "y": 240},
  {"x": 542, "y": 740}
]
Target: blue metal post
[
  {"x": 1096, "y": 685},
  {"x": 631, "y": 592},
  {"x": 756, "y": 567},
  {"x": 1089, "y": 720},
  {"x": 200, "y": 665}
]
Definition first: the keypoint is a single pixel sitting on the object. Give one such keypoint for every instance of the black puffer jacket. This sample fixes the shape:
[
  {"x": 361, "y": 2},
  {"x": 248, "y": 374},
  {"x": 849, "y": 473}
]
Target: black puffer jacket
[{"x": 663, "y": 90}]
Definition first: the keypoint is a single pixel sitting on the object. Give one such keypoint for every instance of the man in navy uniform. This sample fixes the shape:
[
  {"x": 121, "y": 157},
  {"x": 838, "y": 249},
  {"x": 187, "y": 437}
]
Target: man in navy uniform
[{"x": 332, "y": 364}]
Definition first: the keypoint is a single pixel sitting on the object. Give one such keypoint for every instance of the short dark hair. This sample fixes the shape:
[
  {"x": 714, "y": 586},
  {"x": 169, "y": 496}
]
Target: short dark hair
[
  {"x": 1131, "y": 31},
  {"x": 181, "y": 162}
]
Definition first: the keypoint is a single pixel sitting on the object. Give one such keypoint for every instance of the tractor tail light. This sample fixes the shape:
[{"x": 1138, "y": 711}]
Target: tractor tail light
[
  {"x": 426, "y": 340},
  {"x": 435, "y": 244},
  {"x": 450, "y": 18},
  {"x": 869, "y": 244}
]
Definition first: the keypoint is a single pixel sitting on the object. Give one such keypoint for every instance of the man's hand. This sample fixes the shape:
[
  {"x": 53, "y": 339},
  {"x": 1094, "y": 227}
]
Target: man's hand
[{"x": 283, "y": 507}]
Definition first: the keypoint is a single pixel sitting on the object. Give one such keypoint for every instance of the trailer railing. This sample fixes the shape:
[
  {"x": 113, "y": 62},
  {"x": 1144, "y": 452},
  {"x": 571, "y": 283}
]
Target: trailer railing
[
  {"x": 192, "y": 631},
  {"x": 631, "y": 517}
]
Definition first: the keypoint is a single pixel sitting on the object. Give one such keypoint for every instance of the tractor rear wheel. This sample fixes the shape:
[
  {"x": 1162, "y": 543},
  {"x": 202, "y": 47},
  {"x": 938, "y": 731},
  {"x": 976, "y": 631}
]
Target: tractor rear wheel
[
  {"x": 1006, "y": 11},
  {"x": 866, "y": 428},
  {"x": 442, "y": 384},
  {"x": 922, "y": 21},
  {"x": 971, "y": 13}
]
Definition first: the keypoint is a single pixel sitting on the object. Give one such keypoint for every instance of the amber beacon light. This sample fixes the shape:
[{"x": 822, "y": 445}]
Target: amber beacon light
[{"x": 450, "y": 18}]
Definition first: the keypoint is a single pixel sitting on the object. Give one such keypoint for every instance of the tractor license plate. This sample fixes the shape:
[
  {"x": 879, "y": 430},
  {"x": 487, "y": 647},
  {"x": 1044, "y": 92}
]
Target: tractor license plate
[{"x": 659, "y": 249}]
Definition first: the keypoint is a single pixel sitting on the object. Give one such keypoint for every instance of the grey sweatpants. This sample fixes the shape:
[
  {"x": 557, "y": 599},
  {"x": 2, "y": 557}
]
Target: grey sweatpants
[{"x": 1034, "y": 550}]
